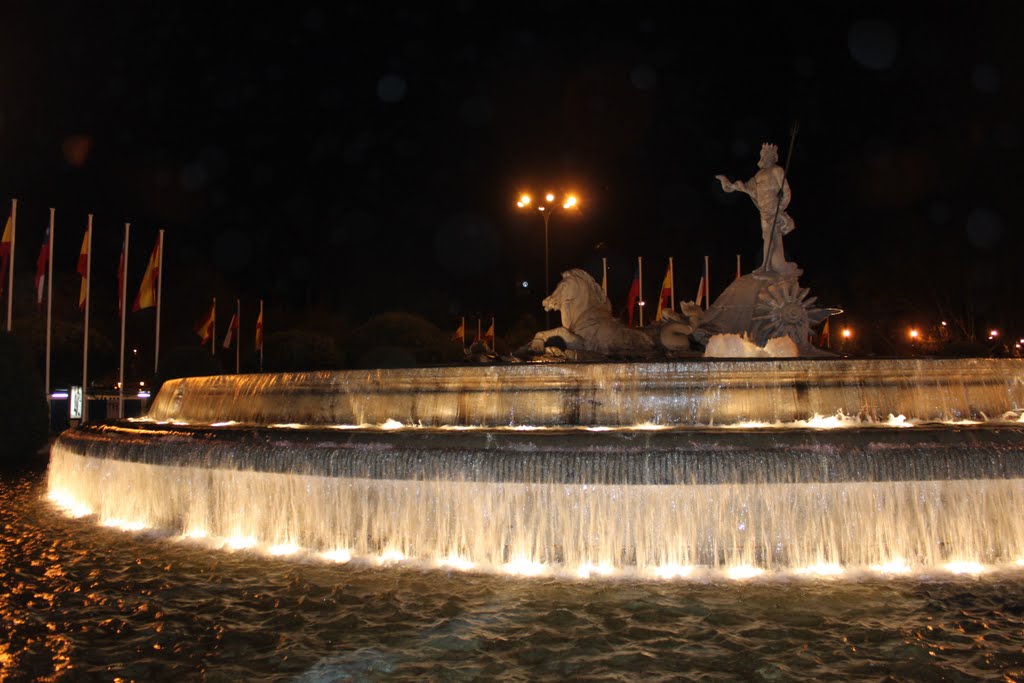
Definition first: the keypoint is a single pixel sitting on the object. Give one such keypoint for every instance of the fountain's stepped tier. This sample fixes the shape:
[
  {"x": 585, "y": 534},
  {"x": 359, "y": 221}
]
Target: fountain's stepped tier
[
  {"x": 691, "y": 456},
  {"x": 707, "y": 392}
]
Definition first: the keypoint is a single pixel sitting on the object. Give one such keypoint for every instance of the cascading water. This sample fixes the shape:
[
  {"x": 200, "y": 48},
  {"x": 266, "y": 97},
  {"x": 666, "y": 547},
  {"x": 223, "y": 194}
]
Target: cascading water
[{"x": 646, "y": 468}]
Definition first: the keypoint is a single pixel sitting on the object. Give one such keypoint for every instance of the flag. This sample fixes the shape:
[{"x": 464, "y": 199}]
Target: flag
[
  {"x": 702, "y": 288},
  {"x": 146, "y": 296},
  {"x": 232, "y": 331},
  {"x": 205, "y": 327},
  {"x": 665, "y": 298},
  {"x": 259, "y": 329},
  {"x": 489, "y": 335},
  {"x": 826, "y": 338},
  {"x": 634, "y": 296},
  {"x": 5, "y": 254},
  {"x": 83, "y": 270},
  {"x": 460, "y": 332},
  {"x": 41, "y": 261}
]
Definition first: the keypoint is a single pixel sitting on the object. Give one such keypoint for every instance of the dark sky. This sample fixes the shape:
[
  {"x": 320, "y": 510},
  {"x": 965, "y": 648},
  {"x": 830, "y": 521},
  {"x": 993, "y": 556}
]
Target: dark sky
[{"x": 359, "y": 158}]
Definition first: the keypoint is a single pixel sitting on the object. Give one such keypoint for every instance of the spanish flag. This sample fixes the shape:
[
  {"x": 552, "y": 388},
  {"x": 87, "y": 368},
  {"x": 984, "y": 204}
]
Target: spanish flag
[
  {"x": 146, "y": 297},
  {"x": 232, "y": 331},
  {"x": 205, "y": 326},
  {"x": 259, "y": 329},
  {"x": 489, "y": 335},
  {"x": 460, "y": 333},
  {"x": 665, "y": 297},
  {"x": 5, "y": 254},
  {"x": 83, "y": 270}
]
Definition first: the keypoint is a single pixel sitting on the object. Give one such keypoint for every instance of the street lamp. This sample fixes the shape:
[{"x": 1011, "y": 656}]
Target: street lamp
[{"x": 545, "y": 208}]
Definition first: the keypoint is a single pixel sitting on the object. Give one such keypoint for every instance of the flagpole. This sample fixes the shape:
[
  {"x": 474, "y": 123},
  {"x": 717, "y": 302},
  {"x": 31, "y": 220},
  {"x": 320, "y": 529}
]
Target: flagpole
[
  {"x": 671, "y": 283},
  {"x": 640, "y": 277},
  {"x": 738, "y": 266},
  {"x": 238, "y": 342},
  {"x": 123, "y": 293},
  {"x": 159, "y": 292},
  {"x": 494, "y": 338},
  {"x": 604, "y": 274},
  {"x": 85, "y": 340},
  {"x": 261, "y": 336},
  {"x": 49, "y": 310},
  {"x": 10, "y": 262},
  {"x": 479, "y": 330}
]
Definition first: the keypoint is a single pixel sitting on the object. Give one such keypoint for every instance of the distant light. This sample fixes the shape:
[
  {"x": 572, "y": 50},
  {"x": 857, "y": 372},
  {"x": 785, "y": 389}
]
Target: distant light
[
  {"x": 550, "y": 197},
  {"x": 142, "y": 384},
  {"x": 524, "y": 200},
  {"x": 994, "y": 333},
  {"x": 540, "y": 208},
  {"x": 525, "y": 284},
  {"x": 59, "y": 394},
  {"x": 642, "y": 303},
  {"x": 520, "y": 204},
  {"x": 847, "y": 333},
  {"x": 570, "y": 202},
  {"x": 143, "y": 394},
  {"x": 914, "y": 334},
  {"x": 943, "y": 323}
]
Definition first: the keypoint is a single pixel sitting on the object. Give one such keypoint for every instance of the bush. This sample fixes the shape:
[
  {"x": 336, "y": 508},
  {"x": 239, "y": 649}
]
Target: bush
[
  {"x": 299, "y": 351},
  {"x": 23, "y": 419}
]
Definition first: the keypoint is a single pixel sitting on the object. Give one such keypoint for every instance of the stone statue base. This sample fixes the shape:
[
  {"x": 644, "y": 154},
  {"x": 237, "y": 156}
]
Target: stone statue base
[{"x": 765, "y": 305}]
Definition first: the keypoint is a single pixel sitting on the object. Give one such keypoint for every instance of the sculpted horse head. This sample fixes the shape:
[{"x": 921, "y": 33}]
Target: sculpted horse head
[{"x": 576, "y": 295}]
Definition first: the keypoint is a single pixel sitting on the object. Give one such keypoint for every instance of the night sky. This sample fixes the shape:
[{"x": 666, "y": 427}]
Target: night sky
[{"x": 349, "y": 159}]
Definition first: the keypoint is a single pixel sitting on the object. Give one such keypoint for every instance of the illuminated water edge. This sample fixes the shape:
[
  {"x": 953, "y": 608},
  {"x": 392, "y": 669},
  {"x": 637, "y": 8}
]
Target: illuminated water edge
[
  {"x": 696, "y": 532},
  {"x": 527, "y": 568}
]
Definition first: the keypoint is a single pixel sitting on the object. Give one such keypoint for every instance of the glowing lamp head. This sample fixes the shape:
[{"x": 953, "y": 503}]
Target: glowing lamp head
[
  {"x": 550, "y": 196},
  {"x": 524, "y": 200},
  {"x": 913, "y": 333},
  {"x": 847, "y": 333},
  {"x": 994, "y": 333},
  {"x": 570, "y": 202}
]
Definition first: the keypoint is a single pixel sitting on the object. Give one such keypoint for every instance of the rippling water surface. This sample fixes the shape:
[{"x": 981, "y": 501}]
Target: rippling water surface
[{"x": 83, "y": 602}]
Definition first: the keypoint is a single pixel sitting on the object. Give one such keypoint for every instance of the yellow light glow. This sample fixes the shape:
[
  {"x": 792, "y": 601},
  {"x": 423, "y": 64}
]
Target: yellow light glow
[
  {"x": 994, "y": 333},
  {"x": 913, "y": 333},
  {"x": 283, "y": 549},
  {"x": 847, "y": 333},
  {"x": 69, "y": 505},
  {"x": 897, "y": 565},
  {"x": 550, "y": 197},
  {"x": 456, "y": 562},
  {"x": 523, "y": 566},
  {"x": 524, "y": 200},
  {"x": 392, "y": 424},
  {"x": 392, "y": 556},
  {"x": 240, "y": 542},
  {"x": 340, "y": 556},
  {"x": 964, "y": 567},
  {"x": 196, "y": 532},
  {"x": 742, "y": 572},
  {"x": 570, "y": 202},
  {"x": 821, "y": 569},
  {"x": 123, "y": 524},
  {"x": 585, "y": 571},
  {"x": 672, "y": 571}
]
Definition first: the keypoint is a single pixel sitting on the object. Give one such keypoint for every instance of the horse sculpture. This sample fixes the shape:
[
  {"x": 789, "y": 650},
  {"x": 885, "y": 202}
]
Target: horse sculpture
[{"x": 588, "y": 324}]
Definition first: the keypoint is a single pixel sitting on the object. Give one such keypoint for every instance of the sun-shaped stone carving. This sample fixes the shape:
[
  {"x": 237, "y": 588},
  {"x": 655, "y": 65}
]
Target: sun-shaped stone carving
[{"x": 784, "y": 309}]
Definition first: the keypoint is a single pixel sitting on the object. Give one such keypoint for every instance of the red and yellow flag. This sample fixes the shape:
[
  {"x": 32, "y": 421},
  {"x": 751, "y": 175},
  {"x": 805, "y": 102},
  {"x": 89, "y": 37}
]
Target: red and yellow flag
[
  {"x": 665, "y": 297},
  {"x": 489, "y": 335},
  {"x": 204, "y": 328},
  {"x": 83, "y": 269},
  {"x": 259, "y": 330},
  {"x": 229, "y": 338},
  {"x": 146, "y": 297},
  {"x": 460, "y": 332},
  {"x": 5, "y": 254}
]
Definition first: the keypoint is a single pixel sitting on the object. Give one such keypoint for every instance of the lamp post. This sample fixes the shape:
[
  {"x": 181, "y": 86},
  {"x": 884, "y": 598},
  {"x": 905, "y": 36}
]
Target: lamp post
[{"x": 545, "y": 209}]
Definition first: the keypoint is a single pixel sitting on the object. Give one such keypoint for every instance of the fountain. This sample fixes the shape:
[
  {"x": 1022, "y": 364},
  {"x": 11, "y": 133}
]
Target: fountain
[{"x": 658, "y": 467}]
